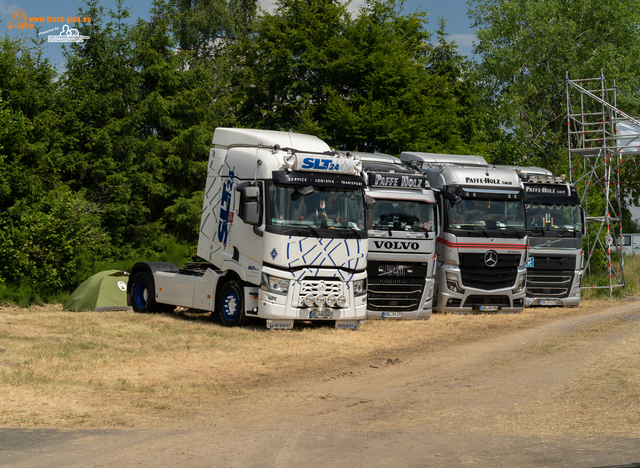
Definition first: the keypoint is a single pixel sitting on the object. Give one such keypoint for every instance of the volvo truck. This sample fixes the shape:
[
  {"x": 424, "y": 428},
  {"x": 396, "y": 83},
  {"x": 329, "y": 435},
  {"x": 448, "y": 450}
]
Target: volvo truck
[
  {"x": 402, "y": 240},
  {"x": 482, "y": 246},
  {"x": 555, "y": 226},
  {"x": 283, "y": 236}
]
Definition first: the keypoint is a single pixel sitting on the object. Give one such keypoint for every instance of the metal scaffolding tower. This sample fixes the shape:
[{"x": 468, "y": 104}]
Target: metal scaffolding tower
[{"x": 601, "y": 139}]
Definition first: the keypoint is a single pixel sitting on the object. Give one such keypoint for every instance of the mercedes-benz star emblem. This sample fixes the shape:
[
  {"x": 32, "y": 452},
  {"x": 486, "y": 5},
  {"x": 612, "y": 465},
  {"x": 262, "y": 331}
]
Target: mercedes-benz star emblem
[{"x": 491, "y": 258}]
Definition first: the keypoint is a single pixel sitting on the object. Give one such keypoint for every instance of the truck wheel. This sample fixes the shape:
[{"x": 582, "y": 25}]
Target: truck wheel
[
  {"x": 142, "y": 293},
  {"x": 231, "y": 304}
]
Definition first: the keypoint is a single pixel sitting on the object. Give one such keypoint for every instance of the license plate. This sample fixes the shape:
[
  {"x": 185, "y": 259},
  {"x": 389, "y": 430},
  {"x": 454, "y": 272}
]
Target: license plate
[
  {"x": 391, "y": 314},
  {"x": 279, "y": 324},
  {"x": 543, "y": 302},
  {"x": 348, "y": 324},
  {"x": 489, "y": 308},
  {"x": 321, "y": 314}
]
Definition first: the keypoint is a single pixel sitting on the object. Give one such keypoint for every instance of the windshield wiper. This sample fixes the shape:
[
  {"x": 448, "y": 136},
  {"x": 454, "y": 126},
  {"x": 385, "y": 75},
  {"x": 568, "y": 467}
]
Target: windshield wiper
[
  {"x": 514, "y": 230},
  {"x": 307, "y": 226},
  {"x": 481, "y": 229},
  {"x": 566, "y": 233},
  {"x": 352, "y": 230}
]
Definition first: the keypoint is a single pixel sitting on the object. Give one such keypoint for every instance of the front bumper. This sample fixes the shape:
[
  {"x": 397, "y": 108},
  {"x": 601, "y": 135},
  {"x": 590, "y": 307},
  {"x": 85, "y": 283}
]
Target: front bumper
[
  {"x": 423, "y": 311},
  {"x": 478, "y": 301}
]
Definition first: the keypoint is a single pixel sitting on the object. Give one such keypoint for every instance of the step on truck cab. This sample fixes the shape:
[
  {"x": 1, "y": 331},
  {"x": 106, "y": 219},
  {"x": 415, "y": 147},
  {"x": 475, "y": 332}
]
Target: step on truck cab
[
  {"x": 555, "y": 227},
  {"x": 402, "y": 240},
  {"x": 482, "y": 246},
  {"x": 283, "y": 236}
]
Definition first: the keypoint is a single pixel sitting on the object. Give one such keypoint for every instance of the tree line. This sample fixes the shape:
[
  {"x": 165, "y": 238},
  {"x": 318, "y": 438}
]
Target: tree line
[{"x": 104, "y": 163}]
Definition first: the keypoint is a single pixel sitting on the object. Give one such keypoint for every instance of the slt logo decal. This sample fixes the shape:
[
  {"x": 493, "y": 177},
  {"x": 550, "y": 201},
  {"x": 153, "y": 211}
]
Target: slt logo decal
[
  {"x": 320, "y": 164},
  {"x": 225, "y": 207}
]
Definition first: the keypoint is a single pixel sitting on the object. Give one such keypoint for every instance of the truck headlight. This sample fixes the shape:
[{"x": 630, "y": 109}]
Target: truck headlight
[
  {"x": 359, "y": 287},
  {"x": 520, "y": 286},
  {"x": 453, "y": 285},
  {"x": 274, "y": 285},
  {"x": 578, "y": 285},
  {"x": 331, "y": 300},
  {"x": 341, "y": 300},
  {"x": 308, "y": 300}
]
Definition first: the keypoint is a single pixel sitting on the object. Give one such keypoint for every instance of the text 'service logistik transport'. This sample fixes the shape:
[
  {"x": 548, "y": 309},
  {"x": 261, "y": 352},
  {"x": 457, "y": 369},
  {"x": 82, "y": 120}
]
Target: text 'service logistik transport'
[{"x": 283, "y": 235}]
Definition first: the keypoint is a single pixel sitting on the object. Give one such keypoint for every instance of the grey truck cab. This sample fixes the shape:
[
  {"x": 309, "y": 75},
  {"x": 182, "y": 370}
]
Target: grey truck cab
[
  {"x": 402, "y": 239},
  {"x": 482, "y": 246},
  {"x": 556, "y": 227}
]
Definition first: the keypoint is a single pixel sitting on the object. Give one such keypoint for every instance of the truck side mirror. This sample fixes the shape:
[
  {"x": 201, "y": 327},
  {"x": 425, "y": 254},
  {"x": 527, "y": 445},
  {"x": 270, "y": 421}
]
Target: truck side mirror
[
  {"x": 251, "y": 213},
  {"x": 251, "y": 192},
  {"x": 452, "y": 197},
  {"x": 368, "y": 219},
  {"x": 427, "y": 228}
]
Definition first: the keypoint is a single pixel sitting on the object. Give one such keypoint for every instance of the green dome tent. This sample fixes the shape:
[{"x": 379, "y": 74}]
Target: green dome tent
[{"x": 106, "y": 290}]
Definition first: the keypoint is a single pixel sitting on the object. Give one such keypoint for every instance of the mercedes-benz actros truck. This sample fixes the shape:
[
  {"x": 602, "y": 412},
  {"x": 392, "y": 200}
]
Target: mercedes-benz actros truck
[
  {"x": 482, "y": 245},
  {"x": 283, "y": 236},
  {"x": 402, "y": 240}
]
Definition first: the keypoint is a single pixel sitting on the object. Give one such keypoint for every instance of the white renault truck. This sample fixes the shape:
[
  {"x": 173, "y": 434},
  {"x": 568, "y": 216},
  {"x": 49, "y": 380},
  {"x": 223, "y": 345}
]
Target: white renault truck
[
  {"x": 482, "y": 246},
  {"x": 402, "y": 240},
  {"x": 282, "y": 235},
  {"x": 555, "y": 226}
]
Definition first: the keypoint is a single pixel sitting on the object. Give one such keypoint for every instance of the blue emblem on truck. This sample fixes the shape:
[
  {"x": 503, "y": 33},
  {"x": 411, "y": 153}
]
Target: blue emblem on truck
[
  {"x": 225, "y": 206},
  {"x": 274, "y": 254},
  {"x": 321, "y": 164}
]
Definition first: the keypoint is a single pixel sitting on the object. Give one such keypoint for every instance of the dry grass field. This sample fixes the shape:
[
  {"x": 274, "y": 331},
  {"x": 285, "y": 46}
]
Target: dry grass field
[{"x": 126, "y": 370}]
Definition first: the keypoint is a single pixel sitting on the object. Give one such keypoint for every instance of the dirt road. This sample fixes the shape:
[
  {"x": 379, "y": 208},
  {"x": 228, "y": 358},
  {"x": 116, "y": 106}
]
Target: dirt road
[{"x": 562, "y": 394}]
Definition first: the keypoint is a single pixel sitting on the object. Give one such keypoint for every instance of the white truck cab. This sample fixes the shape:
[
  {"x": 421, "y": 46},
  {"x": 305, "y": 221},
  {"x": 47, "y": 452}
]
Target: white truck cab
[
  {"x": 282, "y": 233},
  {"x": 402, "y": 240}
]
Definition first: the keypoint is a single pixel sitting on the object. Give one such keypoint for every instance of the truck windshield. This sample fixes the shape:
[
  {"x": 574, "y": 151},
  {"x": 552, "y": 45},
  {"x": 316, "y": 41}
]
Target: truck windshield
[
  {"x": 486, "y": 214},
  {"x": 403, "y": 215},
  {"x": 322, "y": 207},
  {"x": 551, "y": 217}
]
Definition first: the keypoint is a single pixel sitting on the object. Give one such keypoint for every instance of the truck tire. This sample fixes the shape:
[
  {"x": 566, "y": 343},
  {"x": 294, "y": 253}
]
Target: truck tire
[
  {"x": 142, "y": 294},
  {"x": 231, "y": 304}
]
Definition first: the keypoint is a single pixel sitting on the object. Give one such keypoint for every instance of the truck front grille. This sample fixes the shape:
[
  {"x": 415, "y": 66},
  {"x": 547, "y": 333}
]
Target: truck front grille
[
  {"x": 321, "y": 287},
  {"x": 389, "y": 294},
  {"x": 317, "y": 287},
  {"x": 551, "y": 276},
  {"x": 549, "y": 283},
  {"x": 476, "y": 274}
]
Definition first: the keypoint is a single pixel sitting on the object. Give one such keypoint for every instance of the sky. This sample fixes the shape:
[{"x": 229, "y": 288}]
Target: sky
[{"x": 458, "y": 24}]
